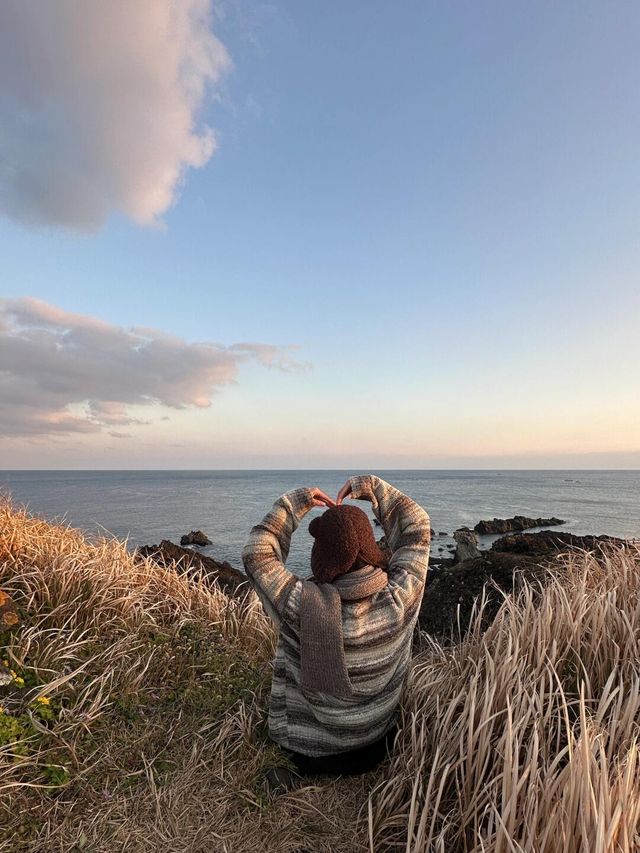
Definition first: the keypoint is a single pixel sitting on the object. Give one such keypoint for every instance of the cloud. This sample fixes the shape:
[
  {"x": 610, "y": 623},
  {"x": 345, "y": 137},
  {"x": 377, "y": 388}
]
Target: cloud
[
  {"x": 99, "y": 104},
  {"x": 271, "y": 356},
  {"x": 62, "y": 372}
]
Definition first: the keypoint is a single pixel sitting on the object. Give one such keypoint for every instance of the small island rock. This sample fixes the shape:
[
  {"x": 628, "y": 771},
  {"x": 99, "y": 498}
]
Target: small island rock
[
  {"x": 196, "y": 537},
  {"x": 553, "y": 541},
  {"x": 512, "y": 525}
]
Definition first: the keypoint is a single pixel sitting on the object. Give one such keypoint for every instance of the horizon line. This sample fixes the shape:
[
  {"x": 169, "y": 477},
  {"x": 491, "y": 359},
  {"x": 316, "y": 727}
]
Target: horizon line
[{"x": 216, "y": 470}]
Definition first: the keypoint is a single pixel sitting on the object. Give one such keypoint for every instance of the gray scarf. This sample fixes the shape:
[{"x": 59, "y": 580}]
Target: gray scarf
[{"x": 322, "y": 662}]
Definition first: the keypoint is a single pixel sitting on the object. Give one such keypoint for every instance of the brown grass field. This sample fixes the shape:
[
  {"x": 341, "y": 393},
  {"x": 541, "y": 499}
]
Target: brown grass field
[{"x": 134, "y": 717}]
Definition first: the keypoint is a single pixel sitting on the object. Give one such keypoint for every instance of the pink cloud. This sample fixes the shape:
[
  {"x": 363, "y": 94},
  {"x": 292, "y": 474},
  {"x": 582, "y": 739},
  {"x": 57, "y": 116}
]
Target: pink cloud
[
  {"x": 62, "y": 372},
  {"x": 99, "y": 107}
]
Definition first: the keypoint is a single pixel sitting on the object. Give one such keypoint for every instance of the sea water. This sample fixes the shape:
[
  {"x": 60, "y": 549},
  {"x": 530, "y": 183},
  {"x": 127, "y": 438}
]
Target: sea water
[{"x": 147, "y": 506}]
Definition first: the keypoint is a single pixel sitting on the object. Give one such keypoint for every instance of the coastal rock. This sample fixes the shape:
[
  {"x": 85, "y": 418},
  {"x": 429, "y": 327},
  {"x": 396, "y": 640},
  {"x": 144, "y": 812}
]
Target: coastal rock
[
  {"x": 548, "y": 542},
  {"x": 449, "y": 600},
  {"x": 196, "y": 537},
  {"x": 452, "y": 590},
  {"x": 191, "y": 563},
  {"x": 467, "y": 545},
  {"x": 518, "y": 522}
]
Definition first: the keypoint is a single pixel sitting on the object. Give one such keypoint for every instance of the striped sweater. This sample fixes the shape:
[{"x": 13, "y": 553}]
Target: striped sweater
[{"x": 377, "y": 631}]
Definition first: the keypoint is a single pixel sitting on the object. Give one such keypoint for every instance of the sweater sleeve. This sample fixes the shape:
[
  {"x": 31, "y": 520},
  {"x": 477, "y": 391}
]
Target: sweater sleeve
[
  {"x": 267, "y": 549},
  {"x": 407, "y": 529}
]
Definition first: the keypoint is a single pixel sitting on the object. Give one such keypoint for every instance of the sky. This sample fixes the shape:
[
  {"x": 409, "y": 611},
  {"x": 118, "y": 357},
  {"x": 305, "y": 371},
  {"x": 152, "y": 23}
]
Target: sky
[{"x": 319, "y": 235}]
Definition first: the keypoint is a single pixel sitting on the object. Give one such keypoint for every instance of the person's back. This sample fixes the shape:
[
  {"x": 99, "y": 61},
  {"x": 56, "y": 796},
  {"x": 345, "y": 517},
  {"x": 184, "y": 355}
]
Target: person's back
[{"x": 345, "y": 635}]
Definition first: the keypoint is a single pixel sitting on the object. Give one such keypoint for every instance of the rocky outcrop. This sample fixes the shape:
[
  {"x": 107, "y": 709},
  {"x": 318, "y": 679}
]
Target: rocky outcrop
[
  {"x": 449, "y": 599},
  {"x": 453, "y": 589},
  {"x": 196, "y": 537},
  {"x": 191, "y": 563},
  {"x": 548, "y": 542},
  {"x": 467, "y": 545},
  {"x": 518, "y": 522}
]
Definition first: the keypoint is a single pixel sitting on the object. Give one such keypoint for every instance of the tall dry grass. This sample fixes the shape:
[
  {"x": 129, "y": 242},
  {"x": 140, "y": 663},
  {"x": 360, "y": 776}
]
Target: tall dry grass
[
  {"x": 157, "y": 689},
  {"x": 525, "y": 738}
]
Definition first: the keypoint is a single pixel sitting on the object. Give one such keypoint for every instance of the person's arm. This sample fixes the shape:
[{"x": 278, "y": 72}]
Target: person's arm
[
  {"x": 407, "y": 529},
  {"x": 267, "y": 549}
]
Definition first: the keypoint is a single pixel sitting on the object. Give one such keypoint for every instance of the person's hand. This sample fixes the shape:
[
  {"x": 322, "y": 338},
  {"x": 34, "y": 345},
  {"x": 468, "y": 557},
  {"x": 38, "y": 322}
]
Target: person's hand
[
  {"x": 320, "y": 499},
  {"x": 344, "y": 492}
]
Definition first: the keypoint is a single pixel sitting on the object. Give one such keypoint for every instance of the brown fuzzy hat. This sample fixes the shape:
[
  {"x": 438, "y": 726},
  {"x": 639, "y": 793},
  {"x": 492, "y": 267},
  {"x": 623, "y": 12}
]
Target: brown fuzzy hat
[{"x": 342, "y": 534}]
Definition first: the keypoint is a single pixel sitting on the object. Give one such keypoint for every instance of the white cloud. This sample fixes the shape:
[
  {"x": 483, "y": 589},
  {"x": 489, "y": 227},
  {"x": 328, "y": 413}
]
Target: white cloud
[
  {"x": 98, "y": 106},
  {"x": 62, "y": 372}
]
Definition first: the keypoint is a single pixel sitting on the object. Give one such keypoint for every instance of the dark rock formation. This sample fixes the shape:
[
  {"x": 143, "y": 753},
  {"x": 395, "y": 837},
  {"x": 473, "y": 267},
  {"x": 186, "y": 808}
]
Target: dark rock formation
[
  {"x": 518, "y": 522},
  {"x": 442, "y": 533},
  {"x": 196, "y": 537},
  {"x": 191, "y": 563},
  {"x": 548, "y": 542},
  {"x": 451, "y": 595},
  {"x": 452, "y": 589},
  {"x": 467, "y": 545}
]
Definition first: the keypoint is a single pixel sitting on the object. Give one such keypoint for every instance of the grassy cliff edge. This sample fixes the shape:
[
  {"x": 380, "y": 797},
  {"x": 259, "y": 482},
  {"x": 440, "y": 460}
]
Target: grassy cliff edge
[{"x": 133, "y": 716}]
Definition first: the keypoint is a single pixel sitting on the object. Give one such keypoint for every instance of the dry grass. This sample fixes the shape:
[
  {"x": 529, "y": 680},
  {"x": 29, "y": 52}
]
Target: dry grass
[
  {"x": 526, "y": 738},
  {"x": 157, "y": 687},
  {"x": 523, "y": 738}
]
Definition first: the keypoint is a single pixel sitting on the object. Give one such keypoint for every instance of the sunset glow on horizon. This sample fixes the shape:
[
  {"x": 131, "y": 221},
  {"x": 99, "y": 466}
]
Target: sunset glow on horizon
[{"x": 319, "y": 237}]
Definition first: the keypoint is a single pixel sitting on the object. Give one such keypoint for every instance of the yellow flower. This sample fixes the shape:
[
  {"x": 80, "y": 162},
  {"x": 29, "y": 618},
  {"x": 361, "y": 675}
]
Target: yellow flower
[
  {"x": 19, "y": 681},
  {"x": 14, "y": 674},
  {"x": 6, "y": 662},
  {"x": 44, "y": 700}
]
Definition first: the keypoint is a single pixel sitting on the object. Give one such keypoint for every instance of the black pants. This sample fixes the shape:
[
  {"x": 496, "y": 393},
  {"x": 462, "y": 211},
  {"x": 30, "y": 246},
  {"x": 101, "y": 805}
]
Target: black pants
[{"x": 351, "y": 763}]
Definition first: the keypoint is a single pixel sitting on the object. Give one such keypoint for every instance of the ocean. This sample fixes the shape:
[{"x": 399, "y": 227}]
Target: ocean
[{"x": 147, "y": 506}]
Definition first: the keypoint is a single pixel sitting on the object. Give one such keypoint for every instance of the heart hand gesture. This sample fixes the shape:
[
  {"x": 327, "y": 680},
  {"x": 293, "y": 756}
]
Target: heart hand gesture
[
  {"x": 320, "y": 499},
  {"x": 344, "y": 492}
]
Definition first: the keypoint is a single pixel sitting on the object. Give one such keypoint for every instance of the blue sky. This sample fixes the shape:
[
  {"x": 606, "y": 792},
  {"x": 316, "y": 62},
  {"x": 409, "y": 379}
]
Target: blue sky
[{"x": 437, "y": 203}]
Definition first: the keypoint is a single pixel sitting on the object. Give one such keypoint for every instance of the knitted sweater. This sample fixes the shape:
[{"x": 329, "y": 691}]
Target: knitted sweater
[{"x": 377, "y": 631}]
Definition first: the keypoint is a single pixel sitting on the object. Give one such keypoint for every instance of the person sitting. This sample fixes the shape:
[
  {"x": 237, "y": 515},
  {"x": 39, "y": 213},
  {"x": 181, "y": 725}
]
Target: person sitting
[{"x": 345, "y": 634}]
